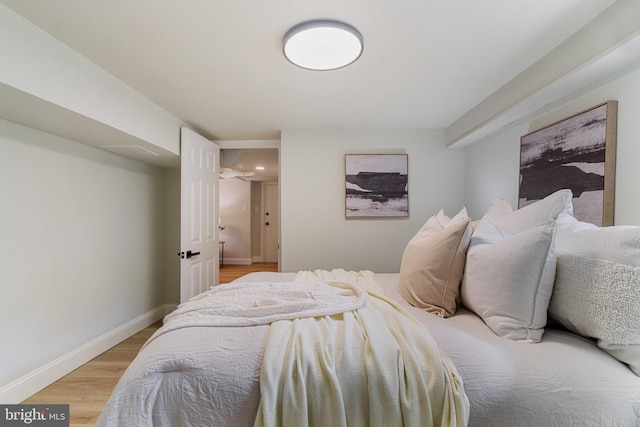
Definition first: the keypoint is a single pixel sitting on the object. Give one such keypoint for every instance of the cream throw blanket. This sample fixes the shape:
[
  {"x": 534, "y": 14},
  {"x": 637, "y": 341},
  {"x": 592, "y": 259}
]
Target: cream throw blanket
[
  {"x": 261, "y": 303},
  {"x": 373, "y": 366}
]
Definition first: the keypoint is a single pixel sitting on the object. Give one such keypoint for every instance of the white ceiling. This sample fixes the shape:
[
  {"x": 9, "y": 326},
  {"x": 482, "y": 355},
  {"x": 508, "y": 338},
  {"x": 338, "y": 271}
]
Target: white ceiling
[
  {"x": 248, "y": 160},
  {"x": 217, "y": 65}
]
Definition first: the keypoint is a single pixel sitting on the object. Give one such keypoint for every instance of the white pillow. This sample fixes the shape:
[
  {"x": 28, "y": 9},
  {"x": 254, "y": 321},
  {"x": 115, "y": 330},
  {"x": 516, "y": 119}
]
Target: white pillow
[
  {"x": 620, "y": 243},
  {"x": 597, "y": 288},
  {"x": 537, "y": 213},
  {"x": 433, "y": 263},
  {"x": 509, "y": 278}
]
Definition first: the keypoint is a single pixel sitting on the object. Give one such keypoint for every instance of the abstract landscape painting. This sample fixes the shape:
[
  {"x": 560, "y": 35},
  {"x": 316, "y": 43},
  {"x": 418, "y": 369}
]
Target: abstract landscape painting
[
  {"x": 577, "y": 153},
  {"x": 376, "y": 185}
]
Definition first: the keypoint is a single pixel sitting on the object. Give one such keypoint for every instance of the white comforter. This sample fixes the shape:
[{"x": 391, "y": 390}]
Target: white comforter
[
  {"x": 330, "y": 360},
  {"x": 210, "y": 376}
]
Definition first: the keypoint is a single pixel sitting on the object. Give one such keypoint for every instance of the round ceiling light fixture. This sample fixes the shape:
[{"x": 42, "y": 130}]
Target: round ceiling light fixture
[{"x": 322, "y": 45}]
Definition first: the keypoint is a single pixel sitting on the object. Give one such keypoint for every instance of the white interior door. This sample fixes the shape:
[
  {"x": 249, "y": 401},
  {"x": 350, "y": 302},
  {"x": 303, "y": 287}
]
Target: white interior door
[
  {"x": 199, "y": 162},
  {"x": 271, "y": 221}
]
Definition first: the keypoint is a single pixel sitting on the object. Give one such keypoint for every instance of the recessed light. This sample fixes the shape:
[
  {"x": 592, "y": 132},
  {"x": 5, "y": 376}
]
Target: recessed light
[
  {"x": 259, "y": 168},
  {"x": 322, "y": 45}
]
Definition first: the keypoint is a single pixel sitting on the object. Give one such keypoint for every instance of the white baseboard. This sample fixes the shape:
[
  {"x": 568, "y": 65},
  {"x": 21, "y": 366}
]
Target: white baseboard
[
  {"x": 27, "y": 385},
  {"x": 257, "y": 258}
]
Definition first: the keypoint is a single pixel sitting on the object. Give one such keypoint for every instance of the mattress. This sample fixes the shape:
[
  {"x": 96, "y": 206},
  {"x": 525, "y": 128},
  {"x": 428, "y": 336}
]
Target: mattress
[{"x": 210, "y": 376}]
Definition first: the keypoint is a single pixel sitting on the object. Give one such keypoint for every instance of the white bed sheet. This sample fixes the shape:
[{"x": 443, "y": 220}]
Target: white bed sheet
[{"x": 209, "y": 376}]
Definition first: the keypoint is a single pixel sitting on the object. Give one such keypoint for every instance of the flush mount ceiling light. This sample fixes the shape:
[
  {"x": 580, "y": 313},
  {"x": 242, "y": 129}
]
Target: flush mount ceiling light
[{"x": 322, "y": 45}]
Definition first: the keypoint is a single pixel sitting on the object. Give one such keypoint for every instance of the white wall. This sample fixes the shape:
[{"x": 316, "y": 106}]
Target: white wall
[
  {"x": 36, "y": 63},
  {"x": 88, "y": 238},
  {"x": 81, "y": 246},
  {"x": 492, "y": 166},
  {"x": 172, "y": 235},
  {"x": 314, "y": 231},
  {"x": 235, "y": 213},
  {"x": 492, "y": 169}
]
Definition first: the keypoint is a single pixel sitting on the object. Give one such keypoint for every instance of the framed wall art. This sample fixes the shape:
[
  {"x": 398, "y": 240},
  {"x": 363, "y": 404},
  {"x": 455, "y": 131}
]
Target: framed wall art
[
  {"x": 578, "y": 153},
  {"x": 376, "y": 185}
]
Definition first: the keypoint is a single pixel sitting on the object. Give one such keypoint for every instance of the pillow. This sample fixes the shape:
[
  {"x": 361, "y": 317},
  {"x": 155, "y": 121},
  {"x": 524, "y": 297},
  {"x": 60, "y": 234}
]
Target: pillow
[
  {"x": 509, "y": 278},
  {"x": 537, "y": 213},
  {"x": 597, "y": 288},
  {"x": 433, "y": 263},
  {"x": 445, "y": 220}
]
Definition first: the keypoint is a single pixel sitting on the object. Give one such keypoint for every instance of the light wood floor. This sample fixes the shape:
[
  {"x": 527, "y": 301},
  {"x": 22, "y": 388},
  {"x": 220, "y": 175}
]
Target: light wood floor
[
  {"x": 231, "y": 272},
  {"x": 87, "y": 389}
]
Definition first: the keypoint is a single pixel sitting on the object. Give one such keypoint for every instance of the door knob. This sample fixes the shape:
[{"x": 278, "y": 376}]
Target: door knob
[{"x": 188, "y": 254}]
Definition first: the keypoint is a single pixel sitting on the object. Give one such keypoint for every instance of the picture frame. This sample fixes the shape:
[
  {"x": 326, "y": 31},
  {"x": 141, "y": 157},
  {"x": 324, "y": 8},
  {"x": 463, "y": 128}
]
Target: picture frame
[
  {"x": 578, "y": 153},
  {"x": 376, "y": 185}
]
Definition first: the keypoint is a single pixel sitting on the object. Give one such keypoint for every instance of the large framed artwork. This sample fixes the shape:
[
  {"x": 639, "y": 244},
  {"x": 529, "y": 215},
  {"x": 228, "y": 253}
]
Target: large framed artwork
[
  {"x": 578, "y": 153},
  {"x": 376, "y": 185}
]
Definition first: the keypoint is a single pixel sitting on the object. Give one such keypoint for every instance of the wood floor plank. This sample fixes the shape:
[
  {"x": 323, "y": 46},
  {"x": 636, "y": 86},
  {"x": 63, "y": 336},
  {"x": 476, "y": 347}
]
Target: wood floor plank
[
  {"x": 87, "y": 389},
  {"x": 229, "y": 273}
]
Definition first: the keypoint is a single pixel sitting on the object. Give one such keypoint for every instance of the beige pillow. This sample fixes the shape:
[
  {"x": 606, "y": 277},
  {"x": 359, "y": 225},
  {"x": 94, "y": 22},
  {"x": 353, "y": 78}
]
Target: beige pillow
[{"x": 433, "y": 264}]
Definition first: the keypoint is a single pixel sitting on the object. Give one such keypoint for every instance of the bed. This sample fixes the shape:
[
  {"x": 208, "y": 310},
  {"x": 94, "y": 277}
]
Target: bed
[{"x": 559, "y": 371}]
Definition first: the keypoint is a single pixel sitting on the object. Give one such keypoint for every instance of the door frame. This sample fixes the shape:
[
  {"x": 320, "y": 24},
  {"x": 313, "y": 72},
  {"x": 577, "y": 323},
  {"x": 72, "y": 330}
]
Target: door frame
[
  {"x": 263, "y": 229},
  {"x": 248, "y": 144}
]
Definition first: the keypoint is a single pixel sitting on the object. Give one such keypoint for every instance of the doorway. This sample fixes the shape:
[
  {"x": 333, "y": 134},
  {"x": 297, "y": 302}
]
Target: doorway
[{"x": 249, "y": 198}]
